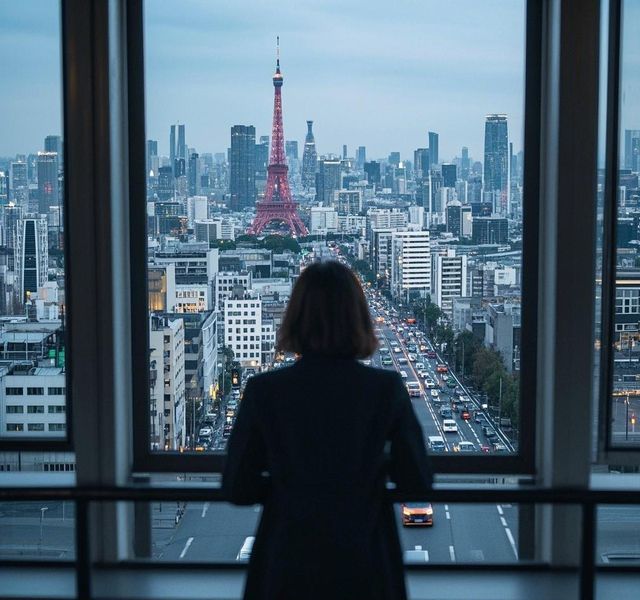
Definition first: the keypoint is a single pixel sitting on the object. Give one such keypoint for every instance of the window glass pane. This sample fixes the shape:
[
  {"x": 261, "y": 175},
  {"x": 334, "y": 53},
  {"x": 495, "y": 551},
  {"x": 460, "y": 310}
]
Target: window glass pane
[
  {"x": 399, "y": 145},
  {"x": 32, "y": 275},
  {"x": 625, "y": 400}
]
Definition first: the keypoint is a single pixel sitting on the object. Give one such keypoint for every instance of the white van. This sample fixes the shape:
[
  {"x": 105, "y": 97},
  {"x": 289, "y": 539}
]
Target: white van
[
  {"x": 449, "y": 426},
  {"x": 436, "y": 443},
  {"x": 403, "y": 374}
]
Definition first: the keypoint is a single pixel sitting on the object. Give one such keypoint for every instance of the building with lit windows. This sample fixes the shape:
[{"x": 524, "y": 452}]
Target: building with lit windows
[
  {"x": 243, "y": 329},
  {"x": 449, "y": 279},
  {"x": 410, "y": 263},
  {"x": 31, "y": 255}
]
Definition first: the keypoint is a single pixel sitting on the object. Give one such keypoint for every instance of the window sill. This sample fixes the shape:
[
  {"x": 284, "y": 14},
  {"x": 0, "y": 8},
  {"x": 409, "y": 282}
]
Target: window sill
[{"x": 37, "y": 583}]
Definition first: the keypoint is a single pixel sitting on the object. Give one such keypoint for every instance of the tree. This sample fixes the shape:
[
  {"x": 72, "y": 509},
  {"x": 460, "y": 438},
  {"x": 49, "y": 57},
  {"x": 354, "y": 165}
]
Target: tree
[{"x": 466, "y": 345}]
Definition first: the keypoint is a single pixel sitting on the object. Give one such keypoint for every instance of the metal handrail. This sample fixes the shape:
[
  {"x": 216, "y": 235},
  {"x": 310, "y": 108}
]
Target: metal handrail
[{"x": 586, "y": 498}]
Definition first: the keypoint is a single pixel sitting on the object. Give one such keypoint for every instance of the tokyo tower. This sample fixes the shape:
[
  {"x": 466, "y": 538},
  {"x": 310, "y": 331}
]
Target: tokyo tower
[{"x": 277, "y": 204}]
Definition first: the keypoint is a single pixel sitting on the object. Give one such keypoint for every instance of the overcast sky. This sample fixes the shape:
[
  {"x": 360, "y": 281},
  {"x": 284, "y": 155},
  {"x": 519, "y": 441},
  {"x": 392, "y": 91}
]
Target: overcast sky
[{"x": 367, "y": 72}]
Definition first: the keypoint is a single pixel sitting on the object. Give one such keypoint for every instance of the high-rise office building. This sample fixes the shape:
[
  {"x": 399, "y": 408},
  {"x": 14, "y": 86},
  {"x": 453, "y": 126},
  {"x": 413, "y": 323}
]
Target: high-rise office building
[
  {"x": 262, "y": 161},
  {"x": 361, "y": 157},
  {"x": 11, "y": 215},
  {"x": 449, "y": 175},
  {"x": 31, "y": 255},
  {"x": 53, "y": 143},
  {"x": 194, "y": 174},
  {"x": 152, "y": 151},
  {"x": 465, "y": 164},
  {"x": 18, "y": 183},
  {"x": 327, "y": 179},
  {"x": 166, "y": 186},
  {"x": 410, "y": 263},
  {"x": 177, "y": 146},
  {"x": 242, "y": 183},
  {"x": 344, "y": 151},
  {"x": 372, "y": 172},
  {"x": 631, "y": 148},
  {"x": 450, "y": 279},
  {"x": 496, "y": 161},
  {"x": 47, "y": 181},
  {"x": 394, "y": 158},
  {"x": 490, "y": 230},
  {"x": 172, "y": 145},
  {"x": 421, "y": 163},
  {"x": 291, "y": 149},
  {"x": 309, "y": 158},
  {"x": 433, "y": 148}
]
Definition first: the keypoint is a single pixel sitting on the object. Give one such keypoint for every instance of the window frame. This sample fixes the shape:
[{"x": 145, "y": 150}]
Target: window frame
[
  {"x": 146, "y": 461},
  {"x": 58, "y": 443},
  {"x": 608, "y": 451}
]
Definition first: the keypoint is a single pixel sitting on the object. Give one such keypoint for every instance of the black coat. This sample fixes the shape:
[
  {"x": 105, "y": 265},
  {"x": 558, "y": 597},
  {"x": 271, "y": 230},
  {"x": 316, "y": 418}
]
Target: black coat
[{"x": 309, "y": 443}]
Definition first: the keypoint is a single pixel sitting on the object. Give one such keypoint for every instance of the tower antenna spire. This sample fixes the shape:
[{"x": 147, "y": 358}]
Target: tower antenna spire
[{"x": 278, "y": 51}]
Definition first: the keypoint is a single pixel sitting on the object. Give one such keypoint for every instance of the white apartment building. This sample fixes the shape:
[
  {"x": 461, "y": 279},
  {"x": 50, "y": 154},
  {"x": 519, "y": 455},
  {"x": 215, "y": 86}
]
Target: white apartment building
[
  {"x": 168, "y": 410},
  {"x": 352, "y": 224},
  {"x": 411, "y": 262},
  {"x": 243, "y": 330},
  {"x": 224, "y": 283},
  {"x": 190, "y": 298},
  {"x": 450, "y": 279},
  {"x": 416, "y": 215},
  {"x": 32, "y": 401},
  {"x": 323, "y": 219},
  {"x": 387, "y": 218},
  {"x": 197, "y": 208},
  {"x": 209, "y": 230},
  {"x": 347, "y": 202}
]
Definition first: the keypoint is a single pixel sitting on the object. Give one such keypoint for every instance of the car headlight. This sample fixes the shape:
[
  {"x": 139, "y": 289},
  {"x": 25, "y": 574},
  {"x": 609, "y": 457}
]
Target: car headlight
[
  {"x": 430, "y": 510},
  {"x": 406, "y": 512}
]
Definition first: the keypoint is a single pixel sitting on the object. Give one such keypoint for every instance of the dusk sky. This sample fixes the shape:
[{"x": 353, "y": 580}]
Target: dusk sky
[{"x": 370, "y": 73}]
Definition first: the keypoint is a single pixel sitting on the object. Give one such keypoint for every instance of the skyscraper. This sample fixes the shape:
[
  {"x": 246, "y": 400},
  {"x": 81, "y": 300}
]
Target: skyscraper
[
  {"x": 262, "y": 162},
  {"x": 344, "y": 151},
  {"x": 421, "y": 163},
  {"x": 47, "y": 181},
  {"x": 361, "y": 157},
  {"x": 327, "y": 179},
  {"x": 177, "y": 147},
  {"x": 465, "y": 164},
  {"x": 309, "y": 159},
  {"x": 394, "y": 158},
  {"x": 152, "y": 150},
  {"x": 53, "y": 143},
  {"x": 448, "y": 175},
  {"x": 194, "y": 174},
  {"x": 433, "y": 148},
  {"x": 631, "y": 141},
  {"x": 242, "y": 183},
  {"x": 291, "y": 149},
  {"x": 172, "y": 145},
  {"x": 496, "y": 161},
  {"x": 372, "y": 172},
  {"x": 31, "y": 255},
  {"x": 18, "y": 183}
]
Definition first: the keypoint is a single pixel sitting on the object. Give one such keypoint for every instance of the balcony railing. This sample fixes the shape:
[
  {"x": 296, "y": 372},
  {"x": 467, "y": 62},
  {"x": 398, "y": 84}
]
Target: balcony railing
[{"x": 587, "y": 499}]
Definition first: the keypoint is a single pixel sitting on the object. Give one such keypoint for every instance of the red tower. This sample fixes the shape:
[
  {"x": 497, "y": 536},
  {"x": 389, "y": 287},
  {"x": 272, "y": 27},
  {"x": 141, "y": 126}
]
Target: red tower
[{"x": 277, "y": 204}]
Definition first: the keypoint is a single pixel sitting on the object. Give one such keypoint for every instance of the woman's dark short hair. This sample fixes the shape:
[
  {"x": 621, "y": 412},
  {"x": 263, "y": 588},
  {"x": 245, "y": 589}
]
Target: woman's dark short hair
[{"x": 327, "y": 314}]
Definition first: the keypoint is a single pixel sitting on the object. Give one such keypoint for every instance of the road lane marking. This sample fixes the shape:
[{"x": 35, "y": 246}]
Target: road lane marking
[
  {"x": 511, "y": 541},
  {"x": 503, "y": 521},
  {"x": 446, "y": 507},
  {"x": 452, "y": 553},
  {"x": 500, "y": 509},
  {"x": 448, "y": 515},
  {"x": 186, "y": 547},
  {"x": 205, "y": 508}
]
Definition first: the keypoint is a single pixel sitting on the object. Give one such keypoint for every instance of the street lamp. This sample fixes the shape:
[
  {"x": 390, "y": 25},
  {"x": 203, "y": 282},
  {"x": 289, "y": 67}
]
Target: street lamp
[{"x": 43, "y": 510}]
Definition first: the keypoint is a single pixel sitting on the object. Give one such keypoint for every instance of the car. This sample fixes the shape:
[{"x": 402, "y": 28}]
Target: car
[
  {"x": 397, "y": 350},
  {"x": 366, "y": 362},
  {"x": 431, "y": 354},
  {"x": 205, "y": 432},
  {"x": 413, "y": 387},
  {"x": 416, "y": 514},
  {"x": 386, "y": 360},
  {"x": 449, "y": 426},
  {"x": 464, "y": 447},
  {"x": 436, "y": 443},
  {"x": 442, "y": 368},
  {"x": 445, "y": 412},
  {"x": 412, "y": 357},
  {"x": 423, "y": 348},
  {"x": 429, "y": 383},
  {"x": 489, "y": 432},
  {"x": 500, "y": 448},
  {"x": 420, "y": 366},
  {"x": 434, "y": 393},
  {"x": 480, "y": 417},
  {"x": 465, "y": 414},
  {"x": 451, "y": 383},
  {"x": 403, "y": 374},
  {"x": 402, "y": 360}
]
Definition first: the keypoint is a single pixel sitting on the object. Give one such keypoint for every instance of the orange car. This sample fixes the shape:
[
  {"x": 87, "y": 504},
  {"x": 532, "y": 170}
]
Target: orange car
[
  {"x": 417, "y": 513},
  {"x": 442, "y": 369}
]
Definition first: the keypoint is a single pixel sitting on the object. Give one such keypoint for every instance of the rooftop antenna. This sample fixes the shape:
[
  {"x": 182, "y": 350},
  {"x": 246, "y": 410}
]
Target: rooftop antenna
[{"x": 278, "y": 51}]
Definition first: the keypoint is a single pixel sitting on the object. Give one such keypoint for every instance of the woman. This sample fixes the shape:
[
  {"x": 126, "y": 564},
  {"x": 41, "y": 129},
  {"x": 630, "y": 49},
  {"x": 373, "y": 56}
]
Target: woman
[{"x": 315, "y": 443}]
